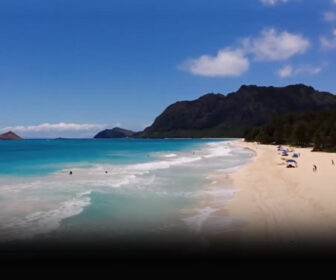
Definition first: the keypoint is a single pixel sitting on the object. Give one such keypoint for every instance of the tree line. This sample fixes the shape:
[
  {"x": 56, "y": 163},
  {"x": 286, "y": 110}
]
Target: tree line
[{"x": 317, "y": 129}]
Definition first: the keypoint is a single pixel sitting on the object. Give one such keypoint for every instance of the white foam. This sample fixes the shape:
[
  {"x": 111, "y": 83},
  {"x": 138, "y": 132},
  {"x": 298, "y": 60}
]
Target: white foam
[
  {"x": 196, "y": 221},
  {"x": 118, "y": 176},
  {"x": 169, "y": 155},
  {"x": 84, "y": 193},
  {"x": 207, "y": 218},
  {"x": 218, "y": 149},
  {"x": 155, "y": 165},
  {"x": 42, "y": 222}
]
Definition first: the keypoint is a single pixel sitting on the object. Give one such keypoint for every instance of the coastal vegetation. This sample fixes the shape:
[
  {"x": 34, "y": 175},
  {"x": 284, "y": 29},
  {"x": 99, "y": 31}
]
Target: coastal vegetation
[{"x": 317, "y": 129}]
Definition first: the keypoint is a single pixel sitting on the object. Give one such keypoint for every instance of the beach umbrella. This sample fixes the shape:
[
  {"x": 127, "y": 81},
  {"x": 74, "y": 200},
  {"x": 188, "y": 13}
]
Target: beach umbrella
[{"x": 291, "y": 160}]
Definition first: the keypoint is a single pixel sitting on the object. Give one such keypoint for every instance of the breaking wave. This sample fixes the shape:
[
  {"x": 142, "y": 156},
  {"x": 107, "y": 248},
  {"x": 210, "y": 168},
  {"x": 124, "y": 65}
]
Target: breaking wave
[{"x": 45, "y": 201}]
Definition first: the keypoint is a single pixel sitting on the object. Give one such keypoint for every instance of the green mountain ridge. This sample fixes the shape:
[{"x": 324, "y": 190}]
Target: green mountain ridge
[{"x": 218, "y": 115}]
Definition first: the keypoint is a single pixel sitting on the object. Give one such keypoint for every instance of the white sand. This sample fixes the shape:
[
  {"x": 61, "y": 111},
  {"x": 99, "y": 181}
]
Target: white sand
[{"x": 285, "y": 204}]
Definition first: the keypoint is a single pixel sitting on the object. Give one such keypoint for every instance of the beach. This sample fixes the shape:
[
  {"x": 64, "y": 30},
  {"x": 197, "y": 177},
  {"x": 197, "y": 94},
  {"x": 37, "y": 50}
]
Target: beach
[
  {"x": 219, "y": 189},
  {"x": 284, "y": 205}
]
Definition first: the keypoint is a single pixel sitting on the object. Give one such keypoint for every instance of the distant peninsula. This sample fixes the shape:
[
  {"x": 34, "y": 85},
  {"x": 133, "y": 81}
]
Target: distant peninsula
[
  {"x": 115, "y": 132},
  {"x": 10, "y": 135}
]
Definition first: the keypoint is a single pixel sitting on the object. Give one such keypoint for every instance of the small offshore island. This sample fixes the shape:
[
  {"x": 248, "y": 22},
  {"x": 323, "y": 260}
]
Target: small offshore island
[{"x": 10, "y": 136}]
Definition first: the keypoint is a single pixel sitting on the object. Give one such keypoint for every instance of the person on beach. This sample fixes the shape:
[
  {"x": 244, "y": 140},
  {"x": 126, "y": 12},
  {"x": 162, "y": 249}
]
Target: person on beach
[
  {"x": 314, "y": 168},
  {"x": 332, "y": 162},
  {"x": 70, "y": 173}
]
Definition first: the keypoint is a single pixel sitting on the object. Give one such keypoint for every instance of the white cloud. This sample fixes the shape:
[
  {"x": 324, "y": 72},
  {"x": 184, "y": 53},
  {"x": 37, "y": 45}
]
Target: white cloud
[
  {"x": 271, "y": 45},
  {"x": 286, "y": 71},
  {"x": 289, "y": 71},
  {"x": 329, "y": 16},
  {"x": 47, "y": 127},
  {"x": 273, "y": 2},
  {"x": 328, "y": 43},
  {"x": 227, "y": 62}
]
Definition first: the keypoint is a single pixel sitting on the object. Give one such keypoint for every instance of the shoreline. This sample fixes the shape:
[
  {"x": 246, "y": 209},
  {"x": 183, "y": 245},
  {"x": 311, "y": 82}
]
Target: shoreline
[
  {"x": 284, "y": 205},
  {"x": 209, "y": 215}
]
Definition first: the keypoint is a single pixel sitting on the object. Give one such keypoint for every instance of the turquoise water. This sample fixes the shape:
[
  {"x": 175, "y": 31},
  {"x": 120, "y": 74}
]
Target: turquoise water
[
  {"x": 37, "y": 157},
  {"x": 118, "y": 188}
]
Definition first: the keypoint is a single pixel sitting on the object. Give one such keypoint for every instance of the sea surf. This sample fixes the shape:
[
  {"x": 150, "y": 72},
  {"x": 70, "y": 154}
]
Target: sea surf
[{"x": 92, "y": 189}]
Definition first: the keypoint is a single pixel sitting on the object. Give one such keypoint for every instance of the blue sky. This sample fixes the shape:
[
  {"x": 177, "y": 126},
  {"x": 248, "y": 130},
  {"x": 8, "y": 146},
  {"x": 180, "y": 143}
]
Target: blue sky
[{"x": 72, "y": 67}]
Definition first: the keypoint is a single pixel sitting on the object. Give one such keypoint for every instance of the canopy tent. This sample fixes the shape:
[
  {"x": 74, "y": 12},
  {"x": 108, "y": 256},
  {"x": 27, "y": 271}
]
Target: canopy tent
[
  {"x": 284, "y": 153},
  {"x": 291, "y": 163}
]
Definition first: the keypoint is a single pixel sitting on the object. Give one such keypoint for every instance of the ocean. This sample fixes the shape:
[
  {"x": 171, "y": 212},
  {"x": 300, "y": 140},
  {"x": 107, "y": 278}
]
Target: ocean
[{"x": 119, "y": 188}]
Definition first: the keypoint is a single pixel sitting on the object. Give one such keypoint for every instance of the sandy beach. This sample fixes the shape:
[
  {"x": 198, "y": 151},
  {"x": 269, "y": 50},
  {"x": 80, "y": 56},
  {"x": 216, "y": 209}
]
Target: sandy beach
[{"x": 279, "y": 204}]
